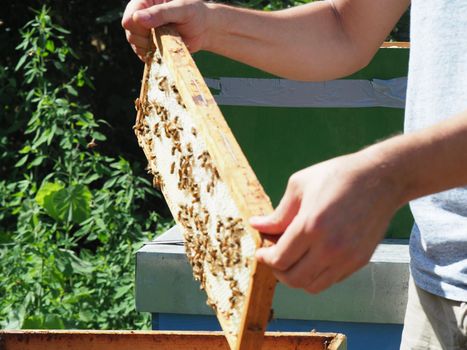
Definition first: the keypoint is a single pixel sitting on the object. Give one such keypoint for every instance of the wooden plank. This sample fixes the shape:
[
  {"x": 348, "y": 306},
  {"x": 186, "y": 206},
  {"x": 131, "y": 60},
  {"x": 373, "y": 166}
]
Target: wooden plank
[
  {"x": 396, "y": 44},
  {"x": 134, "y": 340},
  {"x": 245, "y": 330}
]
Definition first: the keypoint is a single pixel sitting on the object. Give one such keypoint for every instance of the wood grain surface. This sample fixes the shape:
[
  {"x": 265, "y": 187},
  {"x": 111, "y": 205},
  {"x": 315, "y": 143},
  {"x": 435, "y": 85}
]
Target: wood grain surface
[{"x": 133, "y": 340}]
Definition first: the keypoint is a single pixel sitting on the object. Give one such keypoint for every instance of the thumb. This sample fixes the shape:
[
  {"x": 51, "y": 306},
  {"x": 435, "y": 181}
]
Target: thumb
[
  {"x": 161, "y": 14},
  {"x": 282, "y": 216}
]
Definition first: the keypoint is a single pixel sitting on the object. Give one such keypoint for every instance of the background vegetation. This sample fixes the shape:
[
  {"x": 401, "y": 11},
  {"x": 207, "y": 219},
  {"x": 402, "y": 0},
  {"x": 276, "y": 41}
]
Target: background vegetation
[{"x": 75, "y": 202}]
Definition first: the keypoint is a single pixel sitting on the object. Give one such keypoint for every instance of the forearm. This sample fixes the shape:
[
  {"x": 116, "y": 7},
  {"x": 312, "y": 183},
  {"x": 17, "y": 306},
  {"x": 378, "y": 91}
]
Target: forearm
[
  {"x": 424, "y": 162},
  {"x": 319, "y": 41},
  {"x": 304, "y": 43}
]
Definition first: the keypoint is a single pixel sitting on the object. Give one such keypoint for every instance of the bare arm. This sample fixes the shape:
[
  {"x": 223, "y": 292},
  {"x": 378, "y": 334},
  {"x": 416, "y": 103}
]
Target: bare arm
[
  {"x": 318, "y": 41},
  {"x": 333, "y": 214}
]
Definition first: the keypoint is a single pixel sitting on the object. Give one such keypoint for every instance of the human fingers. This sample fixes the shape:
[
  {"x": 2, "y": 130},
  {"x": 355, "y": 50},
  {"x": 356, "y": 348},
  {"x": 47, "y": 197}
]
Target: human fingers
[
  {"x": 140, "y": 52},
  {"x": 290, "y": 247},
  {"x": 304, "y": 272},
  {"x": 282, "y": 216},
  {"x": 315, "y": 272},
  {"x": 137, "y": 35},
  {"x": 137, "y": 40},
  {"x": 178, "y": 12},
  {"x": 128, "y": 22},
  {"x": 337, "y": 272}
]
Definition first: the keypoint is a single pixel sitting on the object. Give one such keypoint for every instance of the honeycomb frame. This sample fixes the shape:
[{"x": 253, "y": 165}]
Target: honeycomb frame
[{"x": 209, "y": 186}]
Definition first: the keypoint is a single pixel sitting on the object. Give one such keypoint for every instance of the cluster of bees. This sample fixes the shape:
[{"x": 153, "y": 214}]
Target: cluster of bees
[
  {"x": 221, "y": 256},
  {"x": 207, "y": 164},
  {"x": 196, "y": 244},
  {"x": 221, "y": 253},
  {"x": 143, "y": 134}
]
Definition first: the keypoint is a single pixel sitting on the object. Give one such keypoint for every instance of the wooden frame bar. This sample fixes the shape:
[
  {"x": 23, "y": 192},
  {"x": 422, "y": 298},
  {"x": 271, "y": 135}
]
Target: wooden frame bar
[
  {"x": 135, "y": 340},
  {"x": 396, "y": 44}
]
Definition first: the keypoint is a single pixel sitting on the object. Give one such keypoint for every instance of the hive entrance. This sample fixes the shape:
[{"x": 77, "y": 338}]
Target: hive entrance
[{"x": 209, "y": 187}]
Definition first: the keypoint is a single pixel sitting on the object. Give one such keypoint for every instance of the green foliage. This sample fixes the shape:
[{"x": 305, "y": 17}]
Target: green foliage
[
  {"x": 65, "y": 204},
  {"x": 71, "y": 217}
]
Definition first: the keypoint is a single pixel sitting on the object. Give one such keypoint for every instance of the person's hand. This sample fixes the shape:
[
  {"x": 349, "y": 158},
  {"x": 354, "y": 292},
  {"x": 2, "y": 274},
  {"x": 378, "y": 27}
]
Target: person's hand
[
  {"x": 189, "y": 17},
  {"x": 329, "y": 221}
]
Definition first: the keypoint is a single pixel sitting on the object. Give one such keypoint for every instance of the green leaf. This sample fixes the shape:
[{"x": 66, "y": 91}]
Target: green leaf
[
  {"x": 121, "y": 291},
  {"x": 33, "y": 322},
  {"x": 21, "y": 161},
  {"x": 49, "y": 45},
  {"x": 60, "y": 29},
  {"x": 103, "y": 236},
  {"x": 47, "y": 189},
  {"x": 15, "y": 318},
  {"x": 53, "y": 322},
  {"x": 98, "y": 136},
  {"x": 52, "y": 131},
  {"x": 111, "y": 182},
  {"x": 40, "y": 138},
  {"x": 36, "y": 162},
  {"x": 25, "y": 149},
  {"x": 80, "y": 81},
  {"x": 85, "y": 316},
  {"x": 81, "y": 266},
  {"x": 21, "y": 62},
  {"x": 78, "y": 296},
  {"x": 91, "y": 178},
  {"x": 41, "y": 322},
  {"x": 69, "y": 204},
  {"x": 71, "y": 90}
]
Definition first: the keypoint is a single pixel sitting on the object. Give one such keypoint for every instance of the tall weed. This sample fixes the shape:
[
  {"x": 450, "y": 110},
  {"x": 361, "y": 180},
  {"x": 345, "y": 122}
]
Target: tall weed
[{"x": 71, "y": 217}]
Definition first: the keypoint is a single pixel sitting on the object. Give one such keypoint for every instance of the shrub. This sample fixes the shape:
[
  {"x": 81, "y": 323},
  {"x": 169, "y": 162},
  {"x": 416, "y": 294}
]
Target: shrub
[{"x": 71, "y": 217}]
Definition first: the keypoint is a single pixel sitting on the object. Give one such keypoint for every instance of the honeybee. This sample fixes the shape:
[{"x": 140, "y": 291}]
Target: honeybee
[
  {"x": 178, "y": 98},
  {"x": 189, "y": 148},
  {"x": 157, "y": 181},
  {"x": 155, "y": 129},
  {"x": 137, "y": 104},
  {"x": 162, "y": 83},
  {"x": 176, "y": 147}
]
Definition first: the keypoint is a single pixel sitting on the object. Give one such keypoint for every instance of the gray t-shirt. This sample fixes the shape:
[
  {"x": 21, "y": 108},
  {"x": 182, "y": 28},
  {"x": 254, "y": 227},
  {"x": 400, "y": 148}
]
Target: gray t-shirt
[{"x": 437, "y": 89}]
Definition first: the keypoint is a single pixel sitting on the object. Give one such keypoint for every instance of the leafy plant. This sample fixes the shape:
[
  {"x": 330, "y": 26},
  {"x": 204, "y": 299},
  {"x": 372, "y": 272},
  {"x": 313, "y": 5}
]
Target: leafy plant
[{"x": 71, "y": 217}]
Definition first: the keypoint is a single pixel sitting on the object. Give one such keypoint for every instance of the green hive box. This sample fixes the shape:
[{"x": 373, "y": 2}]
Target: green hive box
[{"x": 281, "y": 138}]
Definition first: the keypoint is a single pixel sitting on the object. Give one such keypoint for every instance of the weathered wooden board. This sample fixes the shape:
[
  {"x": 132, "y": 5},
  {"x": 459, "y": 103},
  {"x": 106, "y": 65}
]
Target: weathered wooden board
[
  {"x": 209, "y": 187},
  {"x": 132, "y": 340}
]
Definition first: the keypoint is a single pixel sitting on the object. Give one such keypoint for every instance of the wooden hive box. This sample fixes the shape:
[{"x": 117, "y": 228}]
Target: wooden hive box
[{"x": 209, "y": 186}]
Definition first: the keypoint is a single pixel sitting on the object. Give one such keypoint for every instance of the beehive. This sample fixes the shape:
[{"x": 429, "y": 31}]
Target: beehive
[{"x": 209, "y": 187}]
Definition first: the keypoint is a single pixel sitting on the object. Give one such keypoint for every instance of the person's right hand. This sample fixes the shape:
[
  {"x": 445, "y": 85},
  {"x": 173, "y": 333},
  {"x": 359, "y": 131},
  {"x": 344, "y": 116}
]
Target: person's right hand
[{"x": 189, "y": 17}]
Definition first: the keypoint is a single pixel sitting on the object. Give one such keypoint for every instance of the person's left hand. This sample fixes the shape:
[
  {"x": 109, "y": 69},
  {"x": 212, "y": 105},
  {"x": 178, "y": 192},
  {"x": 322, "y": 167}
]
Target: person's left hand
[
  {"x": 329, "y": 221},
  {"x": 191, "y": 18}
]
